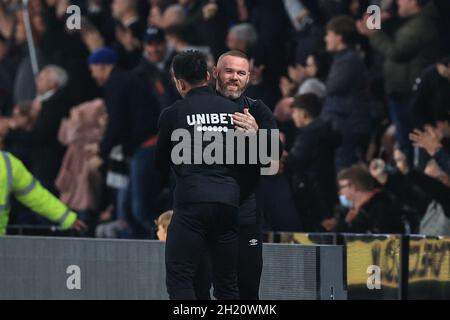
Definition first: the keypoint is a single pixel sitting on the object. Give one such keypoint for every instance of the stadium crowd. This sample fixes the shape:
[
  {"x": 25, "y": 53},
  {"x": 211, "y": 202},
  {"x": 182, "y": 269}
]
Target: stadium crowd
[{"x": 364, "y": 113}]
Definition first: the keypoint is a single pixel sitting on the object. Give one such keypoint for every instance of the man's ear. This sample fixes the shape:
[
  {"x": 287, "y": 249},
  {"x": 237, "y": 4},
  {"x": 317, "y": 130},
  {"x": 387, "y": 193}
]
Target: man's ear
[
  {"x": 208, "y": 76},
  {"x": 215, "y": 72},
  {"x": 182, "y": 84}
]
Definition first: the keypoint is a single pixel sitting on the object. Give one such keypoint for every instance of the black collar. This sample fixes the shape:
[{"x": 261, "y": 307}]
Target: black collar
[{"x": 203, "y": 90}]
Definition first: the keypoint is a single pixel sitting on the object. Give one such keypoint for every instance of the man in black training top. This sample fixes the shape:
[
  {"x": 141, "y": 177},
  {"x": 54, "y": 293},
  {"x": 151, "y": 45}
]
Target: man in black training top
[
  {"x": 232, "y": 75},
  {"x": 206, "y": 196}
]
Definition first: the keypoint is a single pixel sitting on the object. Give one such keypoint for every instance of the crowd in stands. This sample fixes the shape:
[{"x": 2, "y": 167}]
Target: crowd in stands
[{"x": 364, "y": 113}]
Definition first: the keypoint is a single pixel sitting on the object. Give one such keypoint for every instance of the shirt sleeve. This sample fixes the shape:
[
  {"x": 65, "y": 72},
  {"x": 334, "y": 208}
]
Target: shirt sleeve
[{"x": 32, "y": 194}]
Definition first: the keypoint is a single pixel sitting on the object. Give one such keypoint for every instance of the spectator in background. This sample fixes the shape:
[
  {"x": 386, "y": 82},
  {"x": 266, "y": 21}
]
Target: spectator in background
[
  {"x": 24, "y": 81},
  {"x": 178, "y": 39},
  {"x": 425, "y": 195},
  {"x": 79, "y": 180},
  {"x": 8, "y": 65},
  {"x": 152, "y": 69},
  {"x": 157, "y": 8},
  {"x": 309, "y": 78},
  {"x": 432, "y": 141},
  {"x": 156, "y": 49},
  {"x": 48, "y": 109},
  {"x": 242, "y": 37},
  {"x": 413, "y": 46},
  {"x": 346, "y": 104},
  {"x": 129, "y": 32},
  {"x": 65, "y": 48},
  {"x": 133, "y": 112},
  {"x": 431, "y": 93},
  {"x": 305, "y": 19},
  {"x": 173, "y": 15},
  {"x": 127, "y": 14},
  {"x": 369, "y": 209},
  {"x": 310, "y": 163},
  {"x": 194, "y": 18}
]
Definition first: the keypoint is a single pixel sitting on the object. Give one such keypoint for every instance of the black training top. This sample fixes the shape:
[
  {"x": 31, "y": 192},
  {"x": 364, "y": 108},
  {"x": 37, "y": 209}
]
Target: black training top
[{"x": 202, "y": 111}]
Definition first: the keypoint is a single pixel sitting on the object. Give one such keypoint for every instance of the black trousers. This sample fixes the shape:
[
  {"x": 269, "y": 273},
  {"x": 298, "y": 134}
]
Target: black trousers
[
  {"x": 250, "y": 261},
  {"x": 250, "y": 266},
  {"x": 196, "y": 230}
]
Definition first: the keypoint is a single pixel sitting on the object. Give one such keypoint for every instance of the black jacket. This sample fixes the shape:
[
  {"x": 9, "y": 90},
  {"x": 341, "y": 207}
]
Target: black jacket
[
  {"x": 133, "y": 113},
  {"x": 431, "y": 95},
  {"x": 158, "y": 82},
  {"x": 310, "y": 165},
  {"x": 198, "y": 182},
  {"x": 346, "y": 104},
  {"x": 249, "y": 175},
  {"x": 442, "y": 157},
  {"x": 41, "y": 142},
  {"x": 379, "y": 215}
]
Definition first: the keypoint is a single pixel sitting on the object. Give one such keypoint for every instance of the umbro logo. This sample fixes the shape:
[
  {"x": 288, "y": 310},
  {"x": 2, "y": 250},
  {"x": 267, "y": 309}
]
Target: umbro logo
[{"x": 253, "y": 242}]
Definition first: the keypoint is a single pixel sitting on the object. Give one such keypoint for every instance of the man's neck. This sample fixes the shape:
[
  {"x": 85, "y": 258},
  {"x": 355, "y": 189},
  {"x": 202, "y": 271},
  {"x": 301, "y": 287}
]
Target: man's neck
[{"x": 190, "y": 88}]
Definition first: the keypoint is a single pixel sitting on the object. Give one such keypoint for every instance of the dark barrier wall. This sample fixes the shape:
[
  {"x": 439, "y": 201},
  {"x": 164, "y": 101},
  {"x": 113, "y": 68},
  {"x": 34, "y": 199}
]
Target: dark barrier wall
[
  {"x": 407, "y": 267},
  {"x": 314, "y": 272},
  {"x": 64, "y": 268}
]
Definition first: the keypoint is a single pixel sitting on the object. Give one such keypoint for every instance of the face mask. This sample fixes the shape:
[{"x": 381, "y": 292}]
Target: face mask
[{"x": 345, "y": 202}]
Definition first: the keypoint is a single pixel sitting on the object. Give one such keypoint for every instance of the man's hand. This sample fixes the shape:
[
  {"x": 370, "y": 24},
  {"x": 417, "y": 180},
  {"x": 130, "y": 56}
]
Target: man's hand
[
  {"x": 92, "y": 149},
  {"x": 245, "y": 122},
  {"x": 79, "y": 226},
  {"x": 209, "y": 10},
  {"x": 428, "y": 140},
  {"x": 377, "y": 169},
  {"x": 94, "y": 163},
  {"x": 329, "y": 224},
  {"x": 361, "y": 25}
]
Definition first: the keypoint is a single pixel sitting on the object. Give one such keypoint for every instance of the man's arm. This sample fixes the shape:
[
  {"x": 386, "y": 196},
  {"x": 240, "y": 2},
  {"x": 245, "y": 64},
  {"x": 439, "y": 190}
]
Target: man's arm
[
  {"x": 442, "y": 157},
  {"x": 436, "y": 189},
  {"x": 31, "y": 194}
]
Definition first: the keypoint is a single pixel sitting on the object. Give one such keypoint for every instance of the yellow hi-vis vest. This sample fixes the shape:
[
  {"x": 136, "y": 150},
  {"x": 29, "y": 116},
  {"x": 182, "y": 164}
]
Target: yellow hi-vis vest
[{"x": 17, "y": 180}]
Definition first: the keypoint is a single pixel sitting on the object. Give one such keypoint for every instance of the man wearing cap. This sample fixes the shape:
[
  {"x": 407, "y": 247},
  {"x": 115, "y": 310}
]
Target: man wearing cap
[
  {"x": 156, "y": 49},
  {"x": 133, "y": 113},
  {"x": 152, "y": 67}
]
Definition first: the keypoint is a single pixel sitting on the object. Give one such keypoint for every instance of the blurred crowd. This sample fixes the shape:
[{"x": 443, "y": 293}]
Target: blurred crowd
[{"x": 364, "y": 113}]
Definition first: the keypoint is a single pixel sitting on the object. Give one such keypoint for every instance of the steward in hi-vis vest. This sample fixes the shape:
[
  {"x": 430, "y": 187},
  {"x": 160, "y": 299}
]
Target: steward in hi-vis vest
[{"x": 16, "y": 180}]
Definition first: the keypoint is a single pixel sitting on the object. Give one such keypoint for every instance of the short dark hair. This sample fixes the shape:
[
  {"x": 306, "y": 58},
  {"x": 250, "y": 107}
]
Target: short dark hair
[
  {"x": 359, "y": 176},
  {"x": 233, "y": 53},
  {"x": 308, "y": 102},
  {"x": 345, "y": 27},
  {"x": 190, "y": 66}
]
